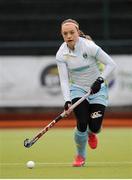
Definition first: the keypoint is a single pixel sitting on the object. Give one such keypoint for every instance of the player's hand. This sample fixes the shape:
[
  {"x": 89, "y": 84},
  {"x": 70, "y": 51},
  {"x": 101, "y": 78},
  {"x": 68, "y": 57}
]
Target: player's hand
[
  {"x": 66, "y": 108},
  {"x": 97, "y": 85}
]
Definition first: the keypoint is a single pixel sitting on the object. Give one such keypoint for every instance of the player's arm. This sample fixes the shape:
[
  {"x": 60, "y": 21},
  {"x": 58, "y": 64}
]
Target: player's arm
[
  {"x": 64, "y": 80},
  {"x": 110, "y": 65},
  {"x": 104, "y": 58}
]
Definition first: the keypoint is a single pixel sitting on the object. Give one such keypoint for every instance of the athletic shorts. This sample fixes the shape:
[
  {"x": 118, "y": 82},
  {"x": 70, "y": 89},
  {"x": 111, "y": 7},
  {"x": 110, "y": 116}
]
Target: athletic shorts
[{"x": 100, "y": 97}]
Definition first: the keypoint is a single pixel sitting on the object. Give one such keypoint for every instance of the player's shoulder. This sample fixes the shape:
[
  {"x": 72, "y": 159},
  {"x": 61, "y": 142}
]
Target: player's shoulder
[
  {"x": 61, "y": 50},
  {"x": 87, "y": 42},
  {"x": 90, "y": 46}
]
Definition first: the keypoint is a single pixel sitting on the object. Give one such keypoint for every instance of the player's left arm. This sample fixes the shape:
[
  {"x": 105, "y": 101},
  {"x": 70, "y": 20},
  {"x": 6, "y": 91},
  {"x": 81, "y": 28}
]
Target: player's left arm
[
  {"x": 109, "y": 63},
  {"x": 101, "y": 56},
  {"x": 109, "y": 66}
]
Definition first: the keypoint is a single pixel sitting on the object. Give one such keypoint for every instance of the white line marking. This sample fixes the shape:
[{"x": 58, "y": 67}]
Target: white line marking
[{"x": 70, "y": 164}]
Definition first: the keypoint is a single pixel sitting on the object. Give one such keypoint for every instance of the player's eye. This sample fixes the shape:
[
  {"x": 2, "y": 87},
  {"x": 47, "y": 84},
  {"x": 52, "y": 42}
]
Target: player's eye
[
  {"x": 65, "y": 33},
  {"x": 72, "y": 32}
]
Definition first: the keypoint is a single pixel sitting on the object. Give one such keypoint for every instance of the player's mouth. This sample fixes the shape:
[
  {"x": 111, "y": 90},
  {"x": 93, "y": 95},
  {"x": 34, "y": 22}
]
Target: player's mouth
[{"x": 70, "y": 41}]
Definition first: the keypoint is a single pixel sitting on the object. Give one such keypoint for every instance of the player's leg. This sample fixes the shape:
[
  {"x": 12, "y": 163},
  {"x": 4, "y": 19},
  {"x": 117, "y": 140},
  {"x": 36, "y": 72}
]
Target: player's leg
[
  {"x": 80, "y": 136},
  {"x": 98, "y": 103},
  {"x": 95, "y": 123}
]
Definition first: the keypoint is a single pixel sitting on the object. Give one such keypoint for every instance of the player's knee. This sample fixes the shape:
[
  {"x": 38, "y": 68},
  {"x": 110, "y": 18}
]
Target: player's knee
[
  {"x": 95, "y": 129},
  {"x": 82, "y": 127},
  {"x": 95, "y": 126}
]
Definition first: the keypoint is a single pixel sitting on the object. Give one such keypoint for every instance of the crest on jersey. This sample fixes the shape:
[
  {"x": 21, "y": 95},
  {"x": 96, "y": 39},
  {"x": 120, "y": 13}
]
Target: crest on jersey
[{"x": 85, "y": 56}]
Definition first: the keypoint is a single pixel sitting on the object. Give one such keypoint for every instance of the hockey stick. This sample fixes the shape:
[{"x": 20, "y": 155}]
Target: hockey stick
[{"x": 28, "y": 143}]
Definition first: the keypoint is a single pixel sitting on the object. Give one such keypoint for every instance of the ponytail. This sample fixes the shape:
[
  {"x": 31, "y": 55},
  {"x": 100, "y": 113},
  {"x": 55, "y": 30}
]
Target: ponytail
[{"x": 81, "y": 34}]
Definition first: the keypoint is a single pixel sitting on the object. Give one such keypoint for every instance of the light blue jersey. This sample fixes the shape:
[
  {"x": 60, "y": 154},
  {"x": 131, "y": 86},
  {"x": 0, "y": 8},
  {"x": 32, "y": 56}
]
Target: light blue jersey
[{"x": 80, "y": 68}]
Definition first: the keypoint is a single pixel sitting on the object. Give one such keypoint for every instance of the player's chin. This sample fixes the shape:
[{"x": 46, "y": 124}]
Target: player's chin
[{"x": 71, "y": 44}]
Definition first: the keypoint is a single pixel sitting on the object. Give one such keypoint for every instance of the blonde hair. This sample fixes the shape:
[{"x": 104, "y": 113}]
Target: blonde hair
[{"x": 81, "y": 33}]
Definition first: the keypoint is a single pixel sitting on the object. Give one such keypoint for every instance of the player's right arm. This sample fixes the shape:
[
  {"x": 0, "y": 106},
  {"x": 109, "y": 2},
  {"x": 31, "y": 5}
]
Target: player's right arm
[
  {"x": 63, "y": 76},
  {"x": 64, "y": 82}
]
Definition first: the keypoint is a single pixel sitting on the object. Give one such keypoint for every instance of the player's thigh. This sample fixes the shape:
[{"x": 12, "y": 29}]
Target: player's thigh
[
  {"x": 96, "y": 117},
  {"x": 82, "y": 114}
]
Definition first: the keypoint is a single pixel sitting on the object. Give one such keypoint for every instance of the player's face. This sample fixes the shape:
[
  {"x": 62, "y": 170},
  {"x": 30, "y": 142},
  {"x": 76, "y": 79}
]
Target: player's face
[{"x": 70, "y": 34}]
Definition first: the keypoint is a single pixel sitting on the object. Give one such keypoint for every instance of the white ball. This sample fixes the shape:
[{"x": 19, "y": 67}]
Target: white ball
[{"x": 30, "y": 164}]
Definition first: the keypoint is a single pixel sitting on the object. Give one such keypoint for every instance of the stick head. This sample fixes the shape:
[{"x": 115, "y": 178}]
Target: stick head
[{"x": 27, "y": 143}]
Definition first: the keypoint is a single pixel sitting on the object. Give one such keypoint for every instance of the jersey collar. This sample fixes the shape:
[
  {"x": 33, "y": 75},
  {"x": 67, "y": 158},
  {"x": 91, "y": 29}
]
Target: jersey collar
[{"x": 68, "y": 51}]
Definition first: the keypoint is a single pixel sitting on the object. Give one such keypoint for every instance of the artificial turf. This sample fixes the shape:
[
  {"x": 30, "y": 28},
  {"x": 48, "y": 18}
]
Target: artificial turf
[{"x": 54, "y": 153}]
